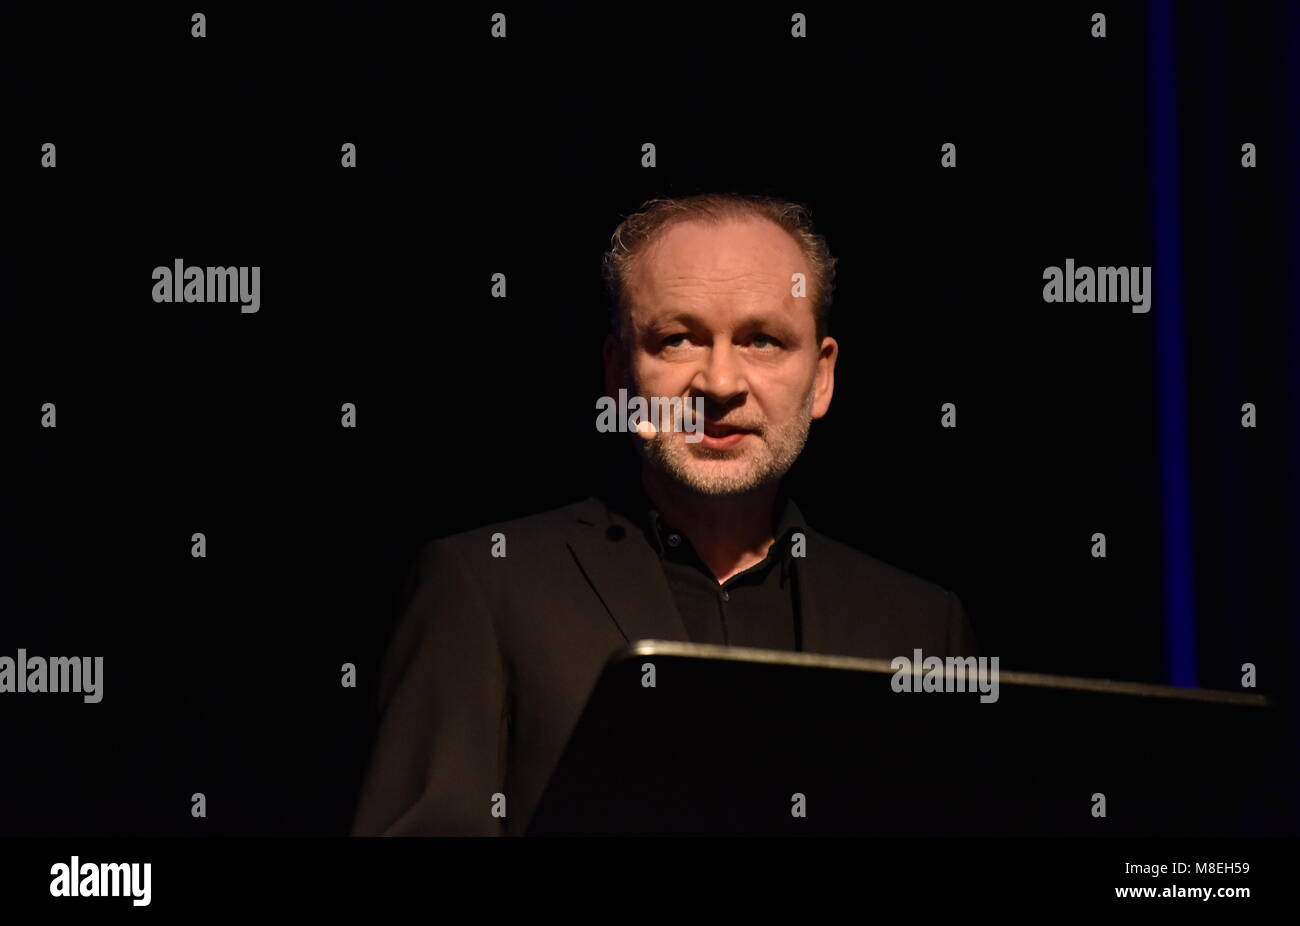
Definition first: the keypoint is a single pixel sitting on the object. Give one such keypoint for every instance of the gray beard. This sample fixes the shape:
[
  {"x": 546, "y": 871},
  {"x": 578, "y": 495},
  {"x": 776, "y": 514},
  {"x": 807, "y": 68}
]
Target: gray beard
[{"x": 777, "y": 451}]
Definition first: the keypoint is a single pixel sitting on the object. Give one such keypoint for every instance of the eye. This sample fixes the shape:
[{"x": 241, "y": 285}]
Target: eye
[
  {"x": 673, "y": 340},
  {"x": 765, "y": 340}
]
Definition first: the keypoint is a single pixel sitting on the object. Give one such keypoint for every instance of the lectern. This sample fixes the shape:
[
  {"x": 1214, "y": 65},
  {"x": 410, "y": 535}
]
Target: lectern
[{"x": 688, "y": 739}]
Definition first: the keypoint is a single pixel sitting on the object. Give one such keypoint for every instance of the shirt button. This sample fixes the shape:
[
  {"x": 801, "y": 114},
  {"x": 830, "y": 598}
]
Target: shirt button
[
  {"x": 674, "y": 540},
  {"x": 726, "y": 595}
]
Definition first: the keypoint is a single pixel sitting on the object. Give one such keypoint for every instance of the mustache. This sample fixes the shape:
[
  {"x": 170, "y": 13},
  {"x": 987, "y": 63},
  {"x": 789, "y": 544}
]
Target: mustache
[
  {"x": 721, "y": 425},
  {"x": 714, "y": 413},
  {"x": 709, "y": 422},
  {"x": 718, "y": 419}
]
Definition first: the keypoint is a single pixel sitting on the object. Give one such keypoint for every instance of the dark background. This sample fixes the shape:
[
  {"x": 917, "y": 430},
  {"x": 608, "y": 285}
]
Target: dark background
[{"x": 520, "y": 156}]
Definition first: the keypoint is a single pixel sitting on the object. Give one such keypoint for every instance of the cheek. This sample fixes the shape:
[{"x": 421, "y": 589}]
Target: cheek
[
  {"x": 638, "y": 370},
  {"x": 783, "y": 394},
  {"x": 656, "y": 378}
]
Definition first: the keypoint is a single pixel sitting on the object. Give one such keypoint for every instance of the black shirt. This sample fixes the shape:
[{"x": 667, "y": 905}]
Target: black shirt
[{"x": 757, "y": 607}]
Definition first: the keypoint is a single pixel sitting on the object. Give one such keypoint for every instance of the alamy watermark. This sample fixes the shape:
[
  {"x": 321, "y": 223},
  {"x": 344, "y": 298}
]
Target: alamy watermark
[
  {"x": 56, "y": 675},
  {"x": 950, "y": 674},
  {"x": 103, "y": 879},
  {"x": 649, "y": 416},
  {"x": 1102, "y": 284},
  {"x": 209, "y": 284}
]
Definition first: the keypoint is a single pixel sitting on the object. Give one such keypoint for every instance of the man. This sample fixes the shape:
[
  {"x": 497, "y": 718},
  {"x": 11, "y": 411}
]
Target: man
[{"x": 719, "y": 298}]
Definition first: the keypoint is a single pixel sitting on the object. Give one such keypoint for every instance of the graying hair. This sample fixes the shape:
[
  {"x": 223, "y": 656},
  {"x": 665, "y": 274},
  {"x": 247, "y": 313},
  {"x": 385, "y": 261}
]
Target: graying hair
[{"x": 638, "y": 230}]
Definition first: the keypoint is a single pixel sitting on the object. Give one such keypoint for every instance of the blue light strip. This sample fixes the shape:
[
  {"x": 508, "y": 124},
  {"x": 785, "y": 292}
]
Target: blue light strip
[{"x": 1171, "y": 368}]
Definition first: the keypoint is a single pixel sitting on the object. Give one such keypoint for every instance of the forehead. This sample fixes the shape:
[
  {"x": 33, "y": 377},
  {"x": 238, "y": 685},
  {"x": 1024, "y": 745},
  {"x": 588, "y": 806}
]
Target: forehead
[{"x": 743, "y": 260}]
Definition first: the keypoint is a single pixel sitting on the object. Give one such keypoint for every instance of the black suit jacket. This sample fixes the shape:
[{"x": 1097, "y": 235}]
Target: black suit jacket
[{"x": 493, "y": 657}]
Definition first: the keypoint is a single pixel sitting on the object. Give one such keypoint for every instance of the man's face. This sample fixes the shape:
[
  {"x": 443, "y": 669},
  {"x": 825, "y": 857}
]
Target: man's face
[{"x": 712, "y": 315}]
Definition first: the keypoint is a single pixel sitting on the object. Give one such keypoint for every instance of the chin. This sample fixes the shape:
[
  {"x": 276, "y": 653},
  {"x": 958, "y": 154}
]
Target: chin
[{"x": 715, "y": 484}]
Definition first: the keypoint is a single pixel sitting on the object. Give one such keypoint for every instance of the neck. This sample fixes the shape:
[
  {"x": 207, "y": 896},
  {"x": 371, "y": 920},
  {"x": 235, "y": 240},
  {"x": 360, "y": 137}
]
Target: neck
[{"x": 729, "y": 534}]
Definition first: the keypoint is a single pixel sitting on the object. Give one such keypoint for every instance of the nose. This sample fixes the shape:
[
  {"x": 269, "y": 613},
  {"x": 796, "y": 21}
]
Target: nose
[{"x": 721, "y": 377}]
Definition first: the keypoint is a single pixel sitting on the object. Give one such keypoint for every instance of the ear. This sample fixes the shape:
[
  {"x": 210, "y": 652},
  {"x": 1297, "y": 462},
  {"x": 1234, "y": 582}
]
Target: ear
[
  {"x": 615, "y": 365},
  {"x": 825, "y": 377}
]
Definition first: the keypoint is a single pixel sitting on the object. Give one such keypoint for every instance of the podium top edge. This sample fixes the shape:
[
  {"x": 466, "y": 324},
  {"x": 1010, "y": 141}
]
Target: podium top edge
[{"x": 644, "y": 648}]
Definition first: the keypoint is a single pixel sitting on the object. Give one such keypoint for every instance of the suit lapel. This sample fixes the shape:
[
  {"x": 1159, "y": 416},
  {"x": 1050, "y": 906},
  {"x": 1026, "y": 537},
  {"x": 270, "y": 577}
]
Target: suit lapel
[{"x": 626, "y": 575}]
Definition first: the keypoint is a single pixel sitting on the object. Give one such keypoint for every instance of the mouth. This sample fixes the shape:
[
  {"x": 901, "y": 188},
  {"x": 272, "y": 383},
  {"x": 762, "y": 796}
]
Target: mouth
[
  {"x": 722, "y": 436},
  {"x": 715, "y": 429}
]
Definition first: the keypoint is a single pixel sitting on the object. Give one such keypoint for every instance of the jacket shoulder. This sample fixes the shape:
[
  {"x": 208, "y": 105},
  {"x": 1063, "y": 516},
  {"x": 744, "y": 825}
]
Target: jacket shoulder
[
  {"x": 864, "y": 570},
  {"x": 933, "y": 612},
  {"x": 527, "y": 531}
]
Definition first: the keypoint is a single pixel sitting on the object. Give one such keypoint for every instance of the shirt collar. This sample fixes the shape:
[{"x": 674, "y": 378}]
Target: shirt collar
[{"x": 789, "y": 520}]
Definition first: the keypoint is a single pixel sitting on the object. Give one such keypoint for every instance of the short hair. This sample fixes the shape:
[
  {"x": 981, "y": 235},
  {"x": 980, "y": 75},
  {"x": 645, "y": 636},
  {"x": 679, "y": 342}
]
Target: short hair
[{"x": 637, "y": 231}]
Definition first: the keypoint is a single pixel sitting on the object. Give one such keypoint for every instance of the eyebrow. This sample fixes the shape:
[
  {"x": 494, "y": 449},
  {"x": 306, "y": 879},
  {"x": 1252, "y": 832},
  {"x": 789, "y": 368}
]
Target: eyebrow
[{"x": 687, "y": 317}]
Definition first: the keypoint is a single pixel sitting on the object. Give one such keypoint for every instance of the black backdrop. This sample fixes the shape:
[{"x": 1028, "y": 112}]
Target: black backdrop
[{"x": 519, "y": 156}]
